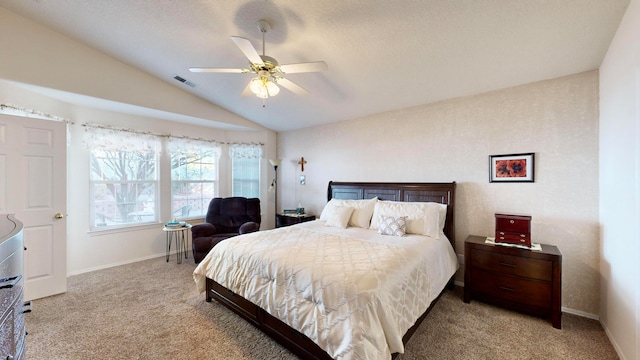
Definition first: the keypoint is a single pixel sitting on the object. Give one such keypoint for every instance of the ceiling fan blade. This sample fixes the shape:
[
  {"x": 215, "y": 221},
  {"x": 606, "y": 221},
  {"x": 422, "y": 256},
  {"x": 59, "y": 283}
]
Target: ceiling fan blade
[
  {"x": 304, "y": 67},
  {"x": 220, "y": 70},
  {"x": 248, "y": 50},
  {"x": 293, "y": 87}
]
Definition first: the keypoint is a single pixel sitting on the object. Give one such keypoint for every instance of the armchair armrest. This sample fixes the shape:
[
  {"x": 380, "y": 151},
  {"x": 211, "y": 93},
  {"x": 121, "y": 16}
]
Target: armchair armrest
[
  {"x": 249, "y": 227},
  {"x": 203, "y": 230}
]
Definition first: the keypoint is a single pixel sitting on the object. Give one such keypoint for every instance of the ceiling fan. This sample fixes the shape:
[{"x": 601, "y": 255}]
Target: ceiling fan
[{"x": 269, "y": 72}]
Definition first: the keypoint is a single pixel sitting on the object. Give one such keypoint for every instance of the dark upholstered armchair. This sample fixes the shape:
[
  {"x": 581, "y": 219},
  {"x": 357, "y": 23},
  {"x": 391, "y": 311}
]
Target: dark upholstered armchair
[{"x": 226, "y": 217}]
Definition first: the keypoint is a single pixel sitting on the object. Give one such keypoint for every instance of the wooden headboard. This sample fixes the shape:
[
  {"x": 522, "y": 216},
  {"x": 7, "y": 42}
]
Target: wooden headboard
[{"x": 442, "y": 193}]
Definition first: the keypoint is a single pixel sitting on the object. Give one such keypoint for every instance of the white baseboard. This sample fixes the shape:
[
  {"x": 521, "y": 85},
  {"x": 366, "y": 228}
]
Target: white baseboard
[
  {"x": 613, "y": 342},
  {"x": 130, "y": 261},
  {"x": 580, "y": 313}
]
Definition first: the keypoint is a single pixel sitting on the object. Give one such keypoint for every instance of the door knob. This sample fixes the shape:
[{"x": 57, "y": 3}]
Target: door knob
[{"x": 59, "y": 216}]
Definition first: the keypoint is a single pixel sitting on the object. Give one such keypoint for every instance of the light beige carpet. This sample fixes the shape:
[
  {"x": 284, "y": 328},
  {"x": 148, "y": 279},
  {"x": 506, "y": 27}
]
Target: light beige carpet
[{"x": 152, "y": 310}]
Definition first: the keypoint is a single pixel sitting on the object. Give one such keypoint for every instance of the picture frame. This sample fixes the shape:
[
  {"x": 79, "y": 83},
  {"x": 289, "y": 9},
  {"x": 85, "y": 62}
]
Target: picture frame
[{"x": 512, "y": 167}]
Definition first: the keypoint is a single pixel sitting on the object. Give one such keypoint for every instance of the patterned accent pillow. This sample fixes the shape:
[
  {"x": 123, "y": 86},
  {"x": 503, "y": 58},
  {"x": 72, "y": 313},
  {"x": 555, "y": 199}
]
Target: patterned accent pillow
[
  {"x": 389, "y": 225},
  {"x": 338, "y": 216},
  {"x": 424, "y": 218}
]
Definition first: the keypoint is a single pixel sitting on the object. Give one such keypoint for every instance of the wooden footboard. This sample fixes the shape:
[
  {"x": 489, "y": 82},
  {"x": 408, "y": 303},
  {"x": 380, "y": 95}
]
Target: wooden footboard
[
  {"x": 295, "y": 341},
  {"x": 288, "y": 337}
]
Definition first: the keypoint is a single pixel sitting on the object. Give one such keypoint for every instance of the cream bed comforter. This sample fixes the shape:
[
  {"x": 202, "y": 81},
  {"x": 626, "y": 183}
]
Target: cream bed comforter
[{"x": 353, "y": 292}]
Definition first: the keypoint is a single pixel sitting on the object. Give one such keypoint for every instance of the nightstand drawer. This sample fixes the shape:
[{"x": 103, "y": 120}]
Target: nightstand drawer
[
  {"x": 512, "y": 265},
  {"x": 519, "y": 279},
  {"x": 522, "y": 291}
]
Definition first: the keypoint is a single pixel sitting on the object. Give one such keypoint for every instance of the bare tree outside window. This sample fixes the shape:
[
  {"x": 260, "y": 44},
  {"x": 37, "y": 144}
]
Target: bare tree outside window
[{"x": 124, "y": 187}]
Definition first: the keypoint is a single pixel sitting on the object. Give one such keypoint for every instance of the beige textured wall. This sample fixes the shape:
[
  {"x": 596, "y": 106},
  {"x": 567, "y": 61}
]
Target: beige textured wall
[{"x": 450, "y": 141}]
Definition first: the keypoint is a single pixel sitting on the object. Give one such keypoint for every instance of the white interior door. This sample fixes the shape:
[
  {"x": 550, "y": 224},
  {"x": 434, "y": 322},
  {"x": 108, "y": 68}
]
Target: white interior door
[{"x": 33, "y": 170}]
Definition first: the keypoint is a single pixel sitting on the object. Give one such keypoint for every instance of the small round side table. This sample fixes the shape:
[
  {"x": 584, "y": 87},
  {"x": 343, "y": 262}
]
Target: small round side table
[{"x": 181, "y": 234}]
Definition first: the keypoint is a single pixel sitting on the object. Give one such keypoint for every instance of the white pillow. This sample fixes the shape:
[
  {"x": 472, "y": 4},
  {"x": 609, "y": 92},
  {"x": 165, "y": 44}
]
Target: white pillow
[
  {"x": 338, "y": 216},
  {"x": 442, "y": 215},
  {"x": 395, "y": 226},
  {"x": 328, "y": 208},
  {"x": 362, "y": 210},
  {"x": 424, "y": 218}
]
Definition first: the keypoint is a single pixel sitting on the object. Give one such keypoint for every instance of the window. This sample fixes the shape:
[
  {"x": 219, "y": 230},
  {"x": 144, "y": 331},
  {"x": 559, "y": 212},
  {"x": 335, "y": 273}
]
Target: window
[
  {"x": 194, "y": 176},
  {"x": 124, "y": 178},
  {"x": 245, "y": 170},
  {"x": 128, "y": 176}
]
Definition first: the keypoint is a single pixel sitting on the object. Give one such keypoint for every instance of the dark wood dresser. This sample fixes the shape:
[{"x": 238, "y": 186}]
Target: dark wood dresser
[
  {"x": 286, "y": 219},
  {"x": 524, "y": 280},
  {"x": 12, "y": 328}
]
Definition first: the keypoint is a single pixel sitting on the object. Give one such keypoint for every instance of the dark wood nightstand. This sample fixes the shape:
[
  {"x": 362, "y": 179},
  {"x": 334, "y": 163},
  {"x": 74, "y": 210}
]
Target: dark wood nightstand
[
  {"x": 286, "y": 219},
  {"x": 518, "y": 279}
]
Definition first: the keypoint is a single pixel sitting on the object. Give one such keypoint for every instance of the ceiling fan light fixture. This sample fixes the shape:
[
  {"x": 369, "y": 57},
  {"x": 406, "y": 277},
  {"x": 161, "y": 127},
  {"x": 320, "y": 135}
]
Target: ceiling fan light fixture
[
  {"x": 262, "y": 87},
  {"x": 272, "y": 88}
]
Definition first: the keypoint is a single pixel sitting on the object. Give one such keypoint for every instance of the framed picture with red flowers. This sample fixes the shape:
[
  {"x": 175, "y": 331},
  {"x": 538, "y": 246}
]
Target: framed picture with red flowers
[{"x": 511, "y": 168}]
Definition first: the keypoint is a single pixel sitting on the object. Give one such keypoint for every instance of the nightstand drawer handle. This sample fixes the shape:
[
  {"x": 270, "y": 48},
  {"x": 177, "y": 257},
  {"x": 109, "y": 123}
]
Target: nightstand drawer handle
[
  {"x": 507, "y": 265},
  {"x": 507, "y": 289}
]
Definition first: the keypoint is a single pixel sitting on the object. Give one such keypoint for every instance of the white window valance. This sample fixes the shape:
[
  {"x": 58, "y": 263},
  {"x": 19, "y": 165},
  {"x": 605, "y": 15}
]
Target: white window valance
[
  {"x": 105, "y": 136},
  {"x": 245, "y": 151},
  {"x": 193, "y": 146},
  {"x": 120, "y": 139}
]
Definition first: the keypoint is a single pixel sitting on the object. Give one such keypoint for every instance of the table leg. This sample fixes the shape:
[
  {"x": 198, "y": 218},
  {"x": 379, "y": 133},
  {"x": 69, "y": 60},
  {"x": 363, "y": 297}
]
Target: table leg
[
  {"x": 179, "y": 245},
  {"x": 168, "y": 246},
  {"x": 185, "y": 234},
  {"x": 182, "y": 243}
]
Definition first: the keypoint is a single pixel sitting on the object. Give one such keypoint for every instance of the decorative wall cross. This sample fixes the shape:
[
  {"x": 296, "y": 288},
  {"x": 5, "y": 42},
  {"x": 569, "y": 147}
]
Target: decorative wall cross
[{"x": 302, "y": 162}]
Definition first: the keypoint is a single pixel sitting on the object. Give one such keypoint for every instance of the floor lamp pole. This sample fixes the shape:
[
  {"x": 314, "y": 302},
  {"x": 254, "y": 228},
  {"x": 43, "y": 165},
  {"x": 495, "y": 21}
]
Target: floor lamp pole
[
  {"x": 275, "y": 163},
  {"x": 275, "y": 192}
]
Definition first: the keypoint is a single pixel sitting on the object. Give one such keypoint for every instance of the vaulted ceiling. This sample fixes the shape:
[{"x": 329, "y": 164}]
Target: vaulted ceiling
[{"x": 382, "y": 55}]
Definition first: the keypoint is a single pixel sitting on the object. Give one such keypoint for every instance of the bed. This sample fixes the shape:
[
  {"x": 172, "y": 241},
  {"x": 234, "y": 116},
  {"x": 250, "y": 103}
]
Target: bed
[{"x": 335, "y": 289}]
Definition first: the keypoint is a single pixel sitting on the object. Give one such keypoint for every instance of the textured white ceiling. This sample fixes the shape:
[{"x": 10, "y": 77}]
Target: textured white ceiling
[{"x": 383, "y": 55}]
